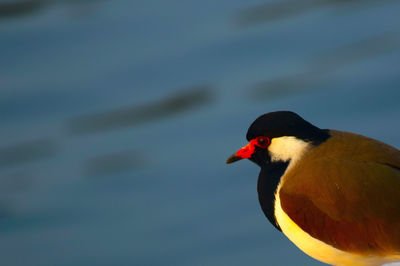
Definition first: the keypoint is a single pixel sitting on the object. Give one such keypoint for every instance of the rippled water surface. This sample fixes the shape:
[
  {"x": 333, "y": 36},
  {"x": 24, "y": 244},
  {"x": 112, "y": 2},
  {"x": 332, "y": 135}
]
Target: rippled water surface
[{"x": 117, "y": 118}]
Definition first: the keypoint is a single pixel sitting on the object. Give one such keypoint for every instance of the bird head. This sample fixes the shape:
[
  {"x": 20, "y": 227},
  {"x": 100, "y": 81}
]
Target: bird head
[{"x": 278, "y": 137}]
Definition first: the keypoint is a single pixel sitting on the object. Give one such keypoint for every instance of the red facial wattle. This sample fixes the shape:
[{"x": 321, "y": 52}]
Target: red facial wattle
[{"x": 246, "y": 152}]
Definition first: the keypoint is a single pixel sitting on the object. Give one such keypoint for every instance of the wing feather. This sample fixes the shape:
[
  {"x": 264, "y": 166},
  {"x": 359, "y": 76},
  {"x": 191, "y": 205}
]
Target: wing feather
[{"x": 347, "y": 194}]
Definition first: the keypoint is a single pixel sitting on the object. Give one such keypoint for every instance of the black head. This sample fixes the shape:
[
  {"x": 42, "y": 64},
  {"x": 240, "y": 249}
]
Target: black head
[
  {"x": 285, "y": 123},
  {"x": 274, "y": 125}
]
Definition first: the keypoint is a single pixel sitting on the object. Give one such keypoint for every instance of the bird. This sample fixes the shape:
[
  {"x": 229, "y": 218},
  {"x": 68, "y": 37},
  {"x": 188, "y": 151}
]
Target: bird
[{"x": 334, "y": 194}]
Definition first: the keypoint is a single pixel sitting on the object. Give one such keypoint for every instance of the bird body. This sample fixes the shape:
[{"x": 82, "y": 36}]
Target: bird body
[{"x": 335, "y": 195}]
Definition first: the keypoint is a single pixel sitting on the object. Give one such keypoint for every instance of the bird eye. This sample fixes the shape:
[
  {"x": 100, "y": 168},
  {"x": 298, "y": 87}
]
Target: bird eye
[{"x": 263, "y": 142}]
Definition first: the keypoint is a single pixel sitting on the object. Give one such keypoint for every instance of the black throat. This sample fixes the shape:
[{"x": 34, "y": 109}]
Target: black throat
[{"x": 268, "y": 181}]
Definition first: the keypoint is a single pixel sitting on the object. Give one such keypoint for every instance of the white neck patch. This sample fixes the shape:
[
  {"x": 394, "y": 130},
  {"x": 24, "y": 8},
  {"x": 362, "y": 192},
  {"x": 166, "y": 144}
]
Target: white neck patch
[{"x": 287, "y": 148}]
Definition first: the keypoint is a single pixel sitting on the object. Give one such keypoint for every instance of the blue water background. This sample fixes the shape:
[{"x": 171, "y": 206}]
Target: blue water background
[{"x": 117, "y": 118}]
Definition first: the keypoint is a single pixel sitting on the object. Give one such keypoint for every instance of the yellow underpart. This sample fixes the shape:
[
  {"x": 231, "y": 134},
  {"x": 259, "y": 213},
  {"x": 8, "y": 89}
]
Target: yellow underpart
[{"x": 318, "y": 249}]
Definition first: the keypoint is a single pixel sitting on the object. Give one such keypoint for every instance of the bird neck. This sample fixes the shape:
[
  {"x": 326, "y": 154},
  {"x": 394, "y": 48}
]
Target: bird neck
[
  {"x": 268, "y": 181},
  {"x": 287, "y": 148}
]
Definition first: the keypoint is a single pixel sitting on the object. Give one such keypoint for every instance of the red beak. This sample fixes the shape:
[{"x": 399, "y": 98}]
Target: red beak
[{"x": 243, "y": 153}]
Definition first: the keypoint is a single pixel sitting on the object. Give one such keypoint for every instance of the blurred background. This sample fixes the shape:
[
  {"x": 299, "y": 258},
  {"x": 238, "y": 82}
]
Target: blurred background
[{"x": 117, "y": 118}]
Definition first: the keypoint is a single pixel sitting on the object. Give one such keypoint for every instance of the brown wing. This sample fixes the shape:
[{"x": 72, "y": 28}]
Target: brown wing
[{"x": 347, "y": 194}]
